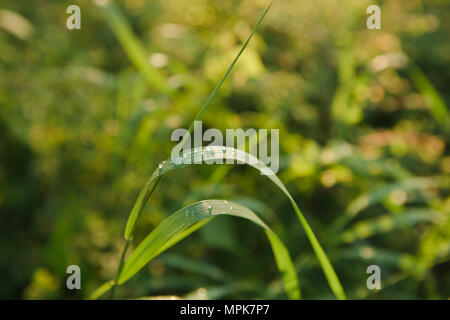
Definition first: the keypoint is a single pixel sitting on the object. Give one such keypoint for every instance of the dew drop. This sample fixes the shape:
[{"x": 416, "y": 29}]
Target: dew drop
[{"x": 209, "y": 210}]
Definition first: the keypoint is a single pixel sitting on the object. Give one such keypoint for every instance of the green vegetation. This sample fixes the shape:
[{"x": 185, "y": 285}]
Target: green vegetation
[{"x": 86, "y": 116}]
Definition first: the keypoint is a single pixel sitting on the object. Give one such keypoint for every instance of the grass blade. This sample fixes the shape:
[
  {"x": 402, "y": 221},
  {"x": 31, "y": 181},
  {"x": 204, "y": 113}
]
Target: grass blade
[
  {"x": 176, "y": 225},
  {"x": 218, "y": 152},
  {"x": 101, "y": 290},
  {"x": 213, "y": 94},
  {"x": 323, "y": 259},
  {"x": 436, "y": 103},
  {"x": 132, "y": 46}
]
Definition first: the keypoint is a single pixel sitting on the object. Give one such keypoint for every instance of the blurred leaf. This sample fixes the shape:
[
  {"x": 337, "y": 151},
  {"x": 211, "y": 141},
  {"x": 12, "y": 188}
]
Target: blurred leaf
[
  {"x": 380, "y": 193},
  {"x": 185, "y": 263},
  {"x": 386, "y": 223},
  {"x": 132, "y": 46},
  {"x": 434, "y": 99}
]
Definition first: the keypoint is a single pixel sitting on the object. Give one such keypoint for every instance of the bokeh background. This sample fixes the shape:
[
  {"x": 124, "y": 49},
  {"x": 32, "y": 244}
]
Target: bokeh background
[{"x": 86, "y": 116}]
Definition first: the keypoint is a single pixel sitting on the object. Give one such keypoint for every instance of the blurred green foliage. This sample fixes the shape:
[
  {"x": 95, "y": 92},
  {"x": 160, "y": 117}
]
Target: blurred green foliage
[{"x": 86, "y": 115}]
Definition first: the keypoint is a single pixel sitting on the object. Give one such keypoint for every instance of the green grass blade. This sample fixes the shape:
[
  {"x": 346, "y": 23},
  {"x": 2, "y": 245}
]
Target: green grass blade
[
  {"x": 323, "y": 259},
  {"x": 139, "y": 205},
  {"x": 285, "y": 265},
  {"x": 436, "y": 103},
  {"x": 213, "y": 94},
  {"x": 218, "y": 152},
  {"x": 101, "y": 290},
  {"x": 181, "y": 220},
  {"x": 132, "y": 46}
]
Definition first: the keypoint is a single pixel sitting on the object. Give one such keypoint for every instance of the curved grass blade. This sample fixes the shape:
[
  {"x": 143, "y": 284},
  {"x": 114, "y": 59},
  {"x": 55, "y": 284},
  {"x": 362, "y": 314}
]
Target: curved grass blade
[
  {"x": 124, "y": 34},
  {"x": 212, "y": 153},
  {"x": 178, "y": 222},
  {"x": 181, "y": 223}
]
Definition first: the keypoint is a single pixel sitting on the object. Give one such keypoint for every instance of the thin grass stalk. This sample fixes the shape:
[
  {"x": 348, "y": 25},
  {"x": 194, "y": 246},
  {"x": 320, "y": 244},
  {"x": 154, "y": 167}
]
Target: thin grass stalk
[
  {"x": 128, "y": 240},
  {"x": 213, "y": 94}
]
